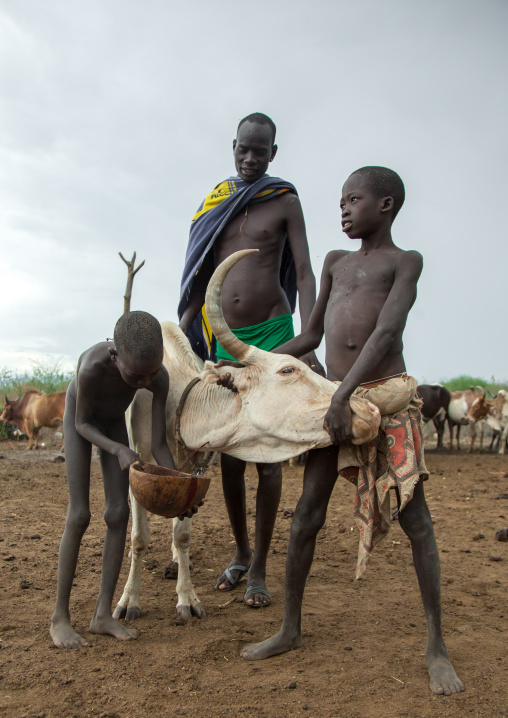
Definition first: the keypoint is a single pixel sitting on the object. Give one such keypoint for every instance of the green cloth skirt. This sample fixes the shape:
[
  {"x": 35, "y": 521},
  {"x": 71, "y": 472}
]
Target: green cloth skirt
[{"x": 267, "y": 335}]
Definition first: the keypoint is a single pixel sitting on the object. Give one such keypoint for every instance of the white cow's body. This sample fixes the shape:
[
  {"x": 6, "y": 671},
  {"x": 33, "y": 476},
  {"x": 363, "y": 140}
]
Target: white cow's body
[
  {"x": 276, "y": 413},
  {"x": 458, "y": 415}
]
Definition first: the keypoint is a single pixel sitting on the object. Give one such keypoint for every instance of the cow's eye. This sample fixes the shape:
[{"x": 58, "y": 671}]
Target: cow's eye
[{"x": 287, "y": 370}]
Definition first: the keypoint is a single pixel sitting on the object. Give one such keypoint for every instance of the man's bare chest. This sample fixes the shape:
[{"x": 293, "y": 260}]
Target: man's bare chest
[{"x": 253, "y": 227}]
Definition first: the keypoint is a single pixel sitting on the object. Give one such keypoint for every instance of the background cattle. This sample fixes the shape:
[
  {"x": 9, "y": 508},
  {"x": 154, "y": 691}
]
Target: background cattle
[
  {"x": 458, "y": 411},
  {"x": 493, "y": 412},
  {"x": 436, "y": 399},
  {"x": 33, "y": 411}
]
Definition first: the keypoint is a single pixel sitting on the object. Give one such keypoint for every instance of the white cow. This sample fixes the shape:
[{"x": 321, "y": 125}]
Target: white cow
[
  {"x": 493, "y": 412},
  {"x": 458, "y": 410},
  {"x": 277, "y": 413}
]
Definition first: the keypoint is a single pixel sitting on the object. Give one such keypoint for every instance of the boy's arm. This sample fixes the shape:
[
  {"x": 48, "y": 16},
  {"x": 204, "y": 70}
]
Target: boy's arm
[
  {"x": 311, "y": 336},
  {"x": 305, "y": 280},
  {"x": 390, "y": 323},
  {"x": 197, "y": 292},
  {"x": 86, "y": 425},
  {"x": 160, "y": 449}
]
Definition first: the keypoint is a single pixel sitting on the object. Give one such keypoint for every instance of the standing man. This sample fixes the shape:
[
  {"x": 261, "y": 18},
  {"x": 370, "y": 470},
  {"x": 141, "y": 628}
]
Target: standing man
[{"x": 250, "y": 211}]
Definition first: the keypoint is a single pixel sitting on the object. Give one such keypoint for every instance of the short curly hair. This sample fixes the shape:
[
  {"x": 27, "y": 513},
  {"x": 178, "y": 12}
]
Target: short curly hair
[
  {"x": 384, "y": 182},
  {"x": 139, "y": 335},
  {"x": 259, "y": 118}
]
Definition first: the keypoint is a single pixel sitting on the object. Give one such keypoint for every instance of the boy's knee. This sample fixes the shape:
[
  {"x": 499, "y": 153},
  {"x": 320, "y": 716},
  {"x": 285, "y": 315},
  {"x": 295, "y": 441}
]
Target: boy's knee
[
  {"x": 308, "y": 522},
  {"x": 417, "y": 525},
  {"x": 79, "y": 520},
  {"x": 270, "y": 473},
  {"x": 116, "y": 516}
]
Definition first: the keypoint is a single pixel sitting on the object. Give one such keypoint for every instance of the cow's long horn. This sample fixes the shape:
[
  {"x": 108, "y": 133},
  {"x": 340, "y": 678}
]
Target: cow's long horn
[
  {"x": 482, "y": 390},
  {"x": 213, "y": 303}
]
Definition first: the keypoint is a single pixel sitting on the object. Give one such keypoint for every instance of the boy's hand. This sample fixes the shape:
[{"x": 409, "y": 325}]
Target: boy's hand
[
  {"x": 338, "y": 420},
  {"x": 226, "y": 380},
  {"x": 190, "y": 513},
  {"x": 313, "y": 362},
  {"x": 126, "y": 457}
]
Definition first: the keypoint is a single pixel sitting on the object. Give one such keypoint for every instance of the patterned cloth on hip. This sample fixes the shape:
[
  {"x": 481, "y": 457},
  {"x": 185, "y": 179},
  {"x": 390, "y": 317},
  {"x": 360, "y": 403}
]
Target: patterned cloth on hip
[{"x": 393, "y": 460}]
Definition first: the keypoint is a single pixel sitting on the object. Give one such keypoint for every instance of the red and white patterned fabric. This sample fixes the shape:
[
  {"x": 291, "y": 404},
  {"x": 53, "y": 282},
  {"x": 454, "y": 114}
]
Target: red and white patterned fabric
[{"x": 393, "y": 460}]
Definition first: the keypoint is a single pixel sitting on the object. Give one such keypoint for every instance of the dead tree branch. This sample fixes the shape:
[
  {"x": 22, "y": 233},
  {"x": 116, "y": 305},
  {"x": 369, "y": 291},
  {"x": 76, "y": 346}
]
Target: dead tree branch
[{"x": 131, "y": 273}]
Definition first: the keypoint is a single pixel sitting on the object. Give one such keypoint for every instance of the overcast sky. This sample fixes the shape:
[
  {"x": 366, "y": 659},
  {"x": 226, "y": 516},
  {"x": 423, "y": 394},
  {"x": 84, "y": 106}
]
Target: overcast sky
[{"x": 118, "y": 117}]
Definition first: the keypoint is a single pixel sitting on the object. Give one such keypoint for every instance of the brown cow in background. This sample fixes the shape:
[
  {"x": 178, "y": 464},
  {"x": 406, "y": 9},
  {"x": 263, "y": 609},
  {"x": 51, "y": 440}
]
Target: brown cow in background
[{"x": 34, "y": 411}]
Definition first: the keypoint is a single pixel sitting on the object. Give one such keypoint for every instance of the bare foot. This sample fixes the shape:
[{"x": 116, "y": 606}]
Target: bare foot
[
  {"x": 111, "y": 627},
  {"x": 271, "y": 647},
  {"x": 64, "y": 636},
  {"x": 443, "y": 679}
]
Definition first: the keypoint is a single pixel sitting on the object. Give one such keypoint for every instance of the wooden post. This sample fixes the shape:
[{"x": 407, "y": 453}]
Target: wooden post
[{"x": 131, "y": 273}]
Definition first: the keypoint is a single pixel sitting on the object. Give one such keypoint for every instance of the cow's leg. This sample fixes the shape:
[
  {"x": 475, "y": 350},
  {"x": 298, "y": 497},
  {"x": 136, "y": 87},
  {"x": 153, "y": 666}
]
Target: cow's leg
[
  {"x": 30, "y": 432},
  {"x": 502, "y": 440},
  {"x": 128, "y": 606},
  {"x": 481, "y": 436},
  {"x": 188, "y": 603},
  {"x": 439, "y": 423},
  {"x": 171, "y": 568},
  {"x": 459, "y": 426},
  {"x": 450, "y": 429},
  {"x": 472, "y": 428},
  {"x": 36, "y": 437}
]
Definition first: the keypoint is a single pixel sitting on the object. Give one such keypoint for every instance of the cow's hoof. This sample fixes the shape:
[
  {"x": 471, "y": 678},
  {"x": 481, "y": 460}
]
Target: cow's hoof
[
  {"x": 120, "y": 611},
  {"x": 184, "y": 614},
  {"x": 133, "y": 613},
  {"x": 198, "y": 611}
]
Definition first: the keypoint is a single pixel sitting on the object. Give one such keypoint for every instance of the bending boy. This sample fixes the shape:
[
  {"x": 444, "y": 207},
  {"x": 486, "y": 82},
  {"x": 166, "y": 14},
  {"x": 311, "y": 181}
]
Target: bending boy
[
  {"x": 107, "y": 378},
  {"x": 362, "y": 308}
]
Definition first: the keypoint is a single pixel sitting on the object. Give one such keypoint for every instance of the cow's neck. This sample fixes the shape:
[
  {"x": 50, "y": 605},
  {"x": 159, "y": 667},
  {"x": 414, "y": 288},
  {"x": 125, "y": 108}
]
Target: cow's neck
[{"x": 210, "y": 414}]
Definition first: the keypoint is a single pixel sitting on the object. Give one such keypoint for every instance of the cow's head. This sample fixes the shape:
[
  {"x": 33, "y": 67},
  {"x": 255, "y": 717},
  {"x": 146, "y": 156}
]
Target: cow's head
[
  {"x": 282, "y": 399},
  {"x": 7, "y": 411}
]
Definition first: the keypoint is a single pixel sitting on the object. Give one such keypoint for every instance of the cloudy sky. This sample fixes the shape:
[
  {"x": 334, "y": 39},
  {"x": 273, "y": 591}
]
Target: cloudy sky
[{"x": 117, "y": 118}]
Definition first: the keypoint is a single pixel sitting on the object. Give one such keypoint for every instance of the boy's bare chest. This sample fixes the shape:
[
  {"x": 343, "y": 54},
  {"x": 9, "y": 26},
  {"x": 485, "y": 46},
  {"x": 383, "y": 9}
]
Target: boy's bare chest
[
  {"x": 360, "y": 274},
  {"x": 112, "y": 399}
]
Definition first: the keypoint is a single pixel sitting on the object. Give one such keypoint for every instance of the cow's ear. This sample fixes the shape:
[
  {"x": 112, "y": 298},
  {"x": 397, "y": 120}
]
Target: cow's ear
[{"x": 113, "y": 353}]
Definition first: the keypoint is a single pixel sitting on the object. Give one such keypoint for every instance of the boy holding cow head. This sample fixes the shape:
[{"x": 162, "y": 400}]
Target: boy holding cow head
[
  {"x": 107, "y": 378},
  {"x": 362, "y": 308}
]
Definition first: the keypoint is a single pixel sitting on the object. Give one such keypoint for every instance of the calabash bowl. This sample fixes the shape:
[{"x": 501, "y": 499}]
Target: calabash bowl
[{"x": 166, "y": 492}]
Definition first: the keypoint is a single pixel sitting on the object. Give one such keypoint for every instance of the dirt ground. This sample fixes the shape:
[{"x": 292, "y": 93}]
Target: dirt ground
[{"x": 364, "y": 640}]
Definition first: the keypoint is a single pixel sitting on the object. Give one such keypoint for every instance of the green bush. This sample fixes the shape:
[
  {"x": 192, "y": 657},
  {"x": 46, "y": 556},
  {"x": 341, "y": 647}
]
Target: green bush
[
  {"x": 463, "y": 382},
  {"x": 45, "y": 376}
]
